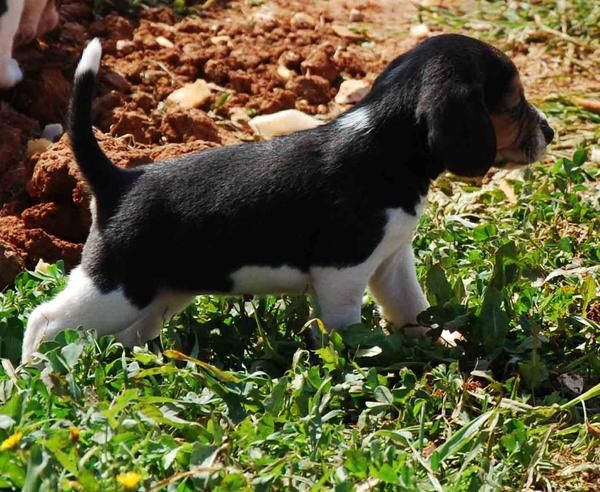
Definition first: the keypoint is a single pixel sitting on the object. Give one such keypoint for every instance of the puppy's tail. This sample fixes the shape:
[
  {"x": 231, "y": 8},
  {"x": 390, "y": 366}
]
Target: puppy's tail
[{"x": 99, "y": 171}]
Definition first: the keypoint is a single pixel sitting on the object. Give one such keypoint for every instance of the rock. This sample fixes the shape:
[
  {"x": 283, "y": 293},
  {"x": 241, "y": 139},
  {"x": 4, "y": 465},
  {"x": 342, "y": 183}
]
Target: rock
[
  {"x": 300, "y": 20},
  {"x": 169, "y": 151},
  {"x": 133, "y": 123},
  {"x": 45, "y": 96},
  {"x": 37, "y": 243},
  {"x": 419, "y": 31},
  {"x": 220, "y": 40},
  {"x": 37, "y": 145},
  {"x": 240, "y": 81},
  {"x": 53, "y": 131},
  {"x": 12, "y": 262},
  {"x": 190, "y": 95},
  {"x": 356, "y": 16},
  {"x": 344, "y": 32},
  {"x": 164, "y": 42},
  {"x": 291, "y": 60},
  {"x": 188, "y": 125},
  {"x": 279, "y": 100},
  {"x": 42, "y": 267},
  {"x": 320, "y": 63},
  {"x": 315, "y": 89},
  {"x": 216, "y": 71},
  {"x": 125, "y": 46},
  {"x": 352, "y": 91},
  {"x": 285, "y": 73},
  {"x": 10, "y": 146},
  {"x": 282, "y": 123},
  {"x": 54, "y": 175},
  {"x": 63, "y": 221}
]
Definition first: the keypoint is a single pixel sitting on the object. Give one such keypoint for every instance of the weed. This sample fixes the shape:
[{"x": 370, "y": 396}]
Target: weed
[{"x": 232, "y": 400}]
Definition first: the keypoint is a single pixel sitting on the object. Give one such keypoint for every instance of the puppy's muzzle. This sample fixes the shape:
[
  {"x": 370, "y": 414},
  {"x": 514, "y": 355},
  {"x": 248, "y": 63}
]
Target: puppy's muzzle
[{"x": 547, "y": 130}]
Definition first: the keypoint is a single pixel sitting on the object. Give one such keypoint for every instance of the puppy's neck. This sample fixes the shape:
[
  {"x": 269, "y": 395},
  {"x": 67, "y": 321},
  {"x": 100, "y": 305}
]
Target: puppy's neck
[{"x": 388, "y": 141}]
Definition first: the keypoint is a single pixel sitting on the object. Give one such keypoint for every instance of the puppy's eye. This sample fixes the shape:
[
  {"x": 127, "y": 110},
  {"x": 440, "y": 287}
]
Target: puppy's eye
[{"x": 516, "y": 111}]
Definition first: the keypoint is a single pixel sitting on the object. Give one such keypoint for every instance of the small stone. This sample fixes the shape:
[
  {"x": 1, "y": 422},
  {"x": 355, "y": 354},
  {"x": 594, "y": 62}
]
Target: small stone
[
  {"x": 419, "y": 31},
  {"x": 125, "y": 45},
  {"x": 190, "y": 95},
  {"x": 164, "y": 42},
  {"x": 285, "y": 73},
  {"x": 37, "y": 146},
  {"x": 42, "y": 267},
  {"x": 300, "y": 20},
  {"x": 291, "y": 60},
  {"x": 53, "y": 131},
  {"x": 351, "y": 91},
  {"x": 282, "y": 123},
  {"x": 220, "y": 39},
  {"x": 356, "y": 16}
]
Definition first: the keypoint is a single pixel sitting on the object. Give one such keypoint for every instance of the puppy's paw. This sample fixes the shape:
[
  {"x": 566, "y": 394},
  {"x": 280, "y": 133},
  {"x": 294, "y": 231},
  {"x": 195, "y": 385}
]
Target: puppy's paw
[
  {"x": 10, "y": 74},
  {"x": 415, "y": 331},
  {"x": 26, "y": 34},
  {"x": 48, "y": 22},
  {"x": 447, "y": 338}
]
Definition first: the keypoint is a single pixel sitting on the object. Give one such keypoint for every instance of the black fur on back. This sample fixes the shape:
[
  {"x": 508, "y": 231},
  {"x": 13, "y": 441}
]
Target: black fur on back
[{"x": 313, "y": 198}]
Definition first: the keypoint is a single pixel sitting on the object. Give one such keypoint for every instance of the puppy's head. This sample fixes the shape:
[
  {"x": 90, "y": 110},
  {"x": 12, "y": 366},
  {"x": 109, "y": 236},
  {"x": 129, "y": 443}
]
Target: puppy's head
[{"x": 476, "y": 114}]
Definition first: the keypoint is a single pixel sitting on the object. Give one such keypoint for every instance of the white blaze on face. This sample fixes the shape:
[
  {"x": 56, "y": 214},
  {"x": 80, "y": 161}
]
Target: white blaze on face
[{"x": 539, "y": 144}]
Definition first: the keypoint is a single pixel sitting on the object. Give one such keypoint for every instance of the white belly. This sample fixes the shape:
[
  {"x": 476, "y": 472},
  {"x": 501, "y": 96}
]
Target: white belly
[
  {"x": 287, "y": 280},
  {"x": 269, "y": 280}
]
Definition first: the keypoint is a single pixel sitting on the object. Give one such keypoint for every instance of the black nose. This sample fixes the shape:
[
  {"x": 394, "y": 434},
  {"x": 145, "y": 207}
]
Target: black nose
[{"x": 547, "y": 131}]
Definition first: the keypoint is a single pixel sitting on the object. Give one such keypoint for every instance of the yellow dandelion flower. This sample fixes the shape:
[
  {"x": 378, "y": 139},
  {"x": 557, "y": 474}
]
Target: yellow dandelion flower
[
  {"x": 129, "y": 480},
  {"x": 11, "y": 442},
  {"x": 73, "y": 434}
]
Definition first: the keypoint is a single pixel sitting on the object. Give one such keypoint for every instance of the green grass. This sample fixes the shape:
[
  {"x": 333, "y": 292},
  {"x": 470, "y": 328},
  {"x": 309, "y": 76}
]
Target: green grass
[{"x": 512, "y": 264}]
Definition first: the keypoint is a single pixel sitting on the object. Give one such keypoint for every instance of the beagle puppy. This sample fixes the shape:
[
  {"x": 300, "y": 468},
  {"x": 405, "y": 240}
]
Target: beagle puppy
[
  {"x": 327, "y": 211},
  {"x": 21, "y": 21}
]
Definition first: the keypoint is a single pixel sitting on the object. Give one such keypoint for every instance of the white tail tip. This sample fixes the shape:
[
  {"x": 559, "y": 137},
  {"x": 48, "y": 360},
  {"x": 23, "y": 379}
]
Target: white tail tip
[{"x": 90, "y": 59}]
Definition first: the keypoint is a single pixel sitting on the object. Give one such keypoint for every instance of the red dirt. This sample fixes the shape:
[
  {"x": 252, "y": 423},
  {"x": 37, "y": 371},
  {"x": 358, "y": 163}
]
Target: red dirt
[{"x": 234, "y": 46}]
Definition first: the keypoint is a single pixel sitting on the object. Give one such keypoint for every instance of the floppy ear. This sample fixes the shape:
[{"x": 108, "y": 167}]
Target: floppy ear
[{"x": 460, "y": 133}]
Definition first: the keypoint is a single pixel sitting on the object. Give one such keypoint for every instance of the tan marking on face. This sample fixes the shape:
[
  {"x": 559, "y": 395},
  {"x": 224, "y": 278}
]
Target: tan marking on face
[
  {"x": 508, "y": 129},
  {"x": 516, "y": 92}
]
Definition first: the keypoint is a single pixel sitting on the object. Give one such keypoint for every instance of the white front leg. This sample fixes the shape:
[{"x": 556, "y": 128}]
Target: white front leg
[
  {"x": 339, "y": 293},
  {"x": 395, "y": 288}
]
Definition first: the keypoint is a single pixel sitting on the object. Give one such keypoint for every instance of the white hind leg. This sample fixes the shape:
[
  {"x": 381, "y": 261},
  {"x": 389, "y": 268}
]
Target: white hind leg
[
  {"x": 151, "y": 319},
  {"x": 79, "y": 304},
  {"x": 10, "y": 73}
]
